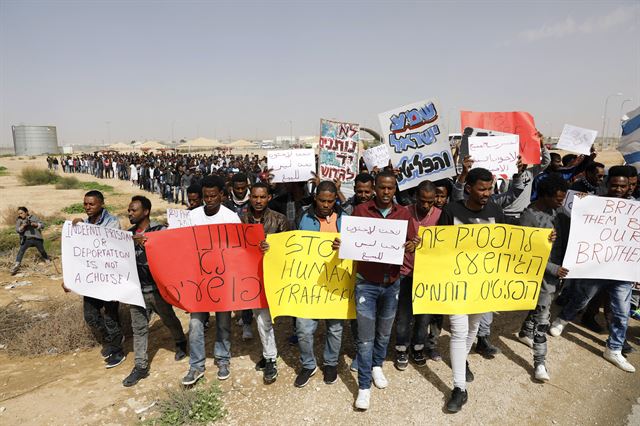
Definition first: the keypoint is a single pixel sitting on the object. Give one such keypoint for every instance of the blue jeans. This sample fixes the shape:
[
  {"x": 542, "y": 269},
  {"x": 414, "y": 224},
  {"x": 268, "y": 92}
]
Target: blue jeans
[
  {"x": 620, "y": 296},
  {"x": 222, "y": 347},
  {"x": 375, "y": 311},
  {"x": 306, "y": 328}
]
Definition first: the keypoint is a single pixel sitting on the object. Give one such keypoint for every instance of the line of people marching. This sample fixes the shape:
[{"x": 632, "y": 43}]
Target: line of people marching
[{"x": 533, "y": 197}]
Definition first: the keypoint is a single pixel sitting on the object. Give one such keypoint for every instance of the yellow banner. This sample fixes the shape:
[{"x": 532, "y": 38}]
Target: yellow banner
[
  {"x": 468, "y": 269},
  {"x": 304, "y": 278}
]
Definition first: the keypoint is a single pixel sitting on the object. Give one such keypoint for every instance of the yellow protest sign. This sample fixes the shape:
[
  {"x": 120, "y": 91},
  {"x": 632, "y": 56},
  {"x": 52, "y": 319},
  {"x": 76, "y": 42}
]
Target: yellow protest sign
[
  {"x": 304, "y": 278},
  {"x": 468, "y": 269}
]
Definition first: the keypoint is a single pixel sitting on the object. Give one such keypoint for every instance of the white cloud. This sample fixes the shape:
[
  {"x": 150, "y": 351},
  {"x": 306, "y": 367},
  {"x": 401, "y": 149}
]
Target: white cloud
[{"x": 569, "y": 26}]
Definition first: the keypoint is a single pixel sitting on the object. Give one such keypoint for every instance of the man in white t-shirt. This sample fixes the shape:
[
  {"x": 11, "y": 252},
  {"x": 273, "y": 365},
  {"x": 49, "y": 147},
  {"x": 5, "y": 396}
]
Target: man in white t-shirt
[{"x": 211, "y": 213}]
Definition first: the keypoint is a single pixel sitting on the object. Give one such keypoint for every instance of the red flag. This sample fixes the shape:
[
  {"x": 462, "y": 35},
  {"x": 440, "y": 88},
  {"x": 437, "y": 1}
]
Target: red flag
[
  {"x": 209, "y": 268},
  {"x": 517, "y": 122}
]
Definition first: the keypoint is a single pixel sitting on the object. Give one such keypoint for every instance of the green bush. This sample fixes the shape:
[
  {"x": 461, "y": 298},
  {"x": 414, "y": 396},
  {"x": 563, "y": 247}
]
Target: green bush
[
  {"x": 74, "y": 208},
  {"x": 31, "y": 176},
  {"x": 90, "y": 186},
  {"x": 199, "y": 405},
  {"x": 9, "y": 239},
  {"x": 67, "y": 182},
  {"x": 3, "y": 171}
]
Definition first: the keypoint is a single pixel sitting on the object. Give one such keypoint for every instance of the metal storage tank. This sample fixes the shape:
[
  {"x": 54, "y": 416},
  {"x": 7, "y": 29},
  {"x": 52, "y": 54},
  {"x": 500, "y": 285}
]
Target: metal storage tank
[{"x": 35, "y": 140}]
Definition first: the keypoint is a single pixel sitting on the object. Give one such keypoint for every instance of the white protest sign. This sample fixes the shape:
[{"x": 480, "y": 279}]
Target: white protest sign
[
  {"x": 378, "y": 156},
  {"x": 568, "y": 200},
  {"x": 498, "y": 154},
  {"x": 294, "y": 165},
  {"x": 100, "y": 263},
  {"x": 576, "y": 139},
  {"x": 604, "y": 241},
  {"x": 178, "y": 218},
  {"x": 373, "y": 240}
]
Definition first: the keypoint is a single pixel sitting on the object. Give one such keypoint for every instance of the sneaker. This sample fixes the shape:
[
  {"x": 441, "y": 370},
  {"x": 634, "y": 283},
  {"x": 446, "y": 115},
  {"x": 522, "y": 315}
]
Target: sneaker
[
  {"x": 181, "y": 351},
  {"x": 590, "y": 323},
  {"x": 261, "y": 365},
  {"x": 115, "y": 359},
  {"x": 434, "y": 355},
  {"x": 541, "y": 374},
  {"x": 402, "y": 360},
  {"x": 362, "y": 401},
  {"x": 354, "y": 365},
  {"x": 270, "y": 372},
  {"x": 469, "y": 377},
  {"x": 379, "y": 379},
  {"x": 14, "y": 268},
  {"x": 192, "y": 377},
  {"x": 616, "y": 358},
  {"x": 223, "y": 372},
  {"x": 330, "y": 374},
  {"x": 135, "y": 376},
  {"x": 105, "y": 352},
  {"x": 458, "y": 399},
  {"x": 485, "y": 348},
  {"x": 304, "y": 376},
  {"x": 418, "y": 358},
  {"x": 557, "y": 326},
  {"x": 247, "y": 333},
  {"x": 525, "y": 338}
]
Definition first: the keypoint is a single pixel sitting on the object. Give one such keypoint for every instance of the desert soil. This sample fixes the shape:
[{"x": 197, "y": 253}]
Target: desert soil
[{"x": 75, "y": 388}]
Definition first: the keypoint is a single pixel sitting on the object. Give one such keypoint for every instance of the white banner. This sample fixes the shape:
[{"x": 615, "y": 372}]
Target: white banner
[
  {"x": 294, "y": 165},
  {"x": 100, "y": 263},
  {"x": 498, "y": 154},
  {"x": 373, "y": 240},
  {"x": 178, "y": 218},
  {"x": 576, "y": 139},
  {"x": 378, "y": 156},
  {"x": 604, "y": 241}
]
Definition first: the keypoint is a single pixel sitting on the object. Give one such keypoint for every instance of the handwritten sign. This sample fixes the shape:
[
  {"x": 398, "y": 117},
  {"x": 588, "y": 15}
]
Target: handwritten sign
[
  {"x": 604, "y": 241},
  {"x": 416, "y": 146},
  {"x": 498, "y": 154},
  {"x": 304, "y": 277},
  {"x": 178, "y": 218},
  {"x": 515, "y": 122},
  {"x": 338, "y": 150},
  {"x": 469, "y": 269},
  {"x": 567, "y": 205},
  {"x": 294, "y": 165},
  {"x": 209, "y": 268},
  {"x": 373, "y": 240},
  {"x": 576, "y": 139},
  {"x": 100, "y": 263},
  {"x": 378, "y": 156}
]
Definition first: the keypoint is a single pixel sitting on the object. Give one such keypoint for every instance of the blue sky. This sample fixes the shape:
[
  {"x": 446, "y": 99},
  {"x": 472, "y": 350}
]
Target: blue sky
[{"x": 247, "y": 69}]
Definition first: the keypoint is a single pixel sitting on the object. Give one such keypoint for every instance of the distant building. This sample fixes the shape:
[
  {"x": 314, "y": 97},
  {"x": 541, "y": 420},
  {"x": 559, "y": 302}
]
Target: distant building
[{"x": 35, "y": 140}]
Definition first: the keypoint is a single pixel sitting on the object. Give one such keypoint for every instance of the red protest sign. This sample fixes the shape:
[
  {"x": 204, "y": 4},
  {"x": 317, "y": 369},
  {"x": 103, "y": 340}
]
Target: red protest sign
[
  {"x": 517, "y": 122},
  {"x": 209, "y": 268}
]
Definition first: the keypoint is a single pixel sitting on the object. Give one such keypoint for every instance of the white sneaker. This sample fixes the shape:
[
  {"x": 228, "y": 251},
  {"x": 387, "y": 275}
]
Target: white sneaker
[
  {"x": 542, "y": 374},
  {"x": 362, "y": 401},
  {"x": 525, "y": 339},
  {"x": 557, "y": 327},
  {"x": 247, "y": 333},
  {"x": 379, "y": 380},
  {"x": 616, "y": 358}
]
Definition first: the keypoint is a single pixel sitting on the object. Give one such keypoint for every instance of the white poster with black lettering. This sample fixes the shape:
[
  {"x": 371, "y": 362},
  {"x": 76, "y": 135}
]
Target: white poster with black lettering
[
  {"x": 100, "y": 262},
  {"x": 373, "y": 240},
  {"x": 576, "y": 139},
  {"x": 178, "y": 218},
  {"x": 293, "y": 165}
]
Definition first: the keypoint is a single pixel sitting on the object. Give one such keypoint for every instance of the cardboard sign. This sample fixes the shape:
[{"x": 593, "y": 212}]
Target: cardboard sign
[
  {"x": 100, "y": 262},
  {"x": 516, "y": 122},
  {"x": 567, "y": 205},
  {"x": 208, "y": 268},
  {"x": 338, "y": 150},
  {"x": 469, "y": 269},
  {"x": 378, "y": 156},
  {"x": 576, "y": 139},
  {"x": 178, "y": 218},
  {"x": 304, "y": 277},
  {"x": 293, "y": 165},
  {"x": 604, "y": 241},
  {"x": 498, "y": 154},
  {"x": 416, "y": 146},
  {"x": 373, "y": 240}
]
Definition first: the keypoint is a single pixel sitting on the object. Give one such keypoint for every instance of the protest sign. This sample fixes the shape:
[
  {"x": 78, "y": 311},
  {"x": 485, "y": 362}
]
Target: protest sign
[
  {"x": 373, "y": 240},
  {"x": 305, "y": 278},
  {"x": 178, "y": 218},
  {"x": 416, "y": 147},
  {"x": 498, "y": 154},
  {"x": 208, "y": 268},
  {"x": 294, "y": 165},
  {"x": 567, "y": 205},
  {"x": 576, "y": 139},
  {"x": 100, "y": 262},
  {"x": 378, "y": 156},
  {"x": 469, "y": 269},
  {"x": 338, "y": 157},
  {"x": 516, "y": 122},
  {"x": 604, "y": 241}
]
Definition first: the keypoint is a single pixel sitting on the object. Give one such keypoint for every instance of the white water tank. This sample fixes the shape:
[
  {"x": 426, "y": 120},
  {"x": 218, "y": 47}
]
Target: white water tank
[{"x": 35, "y": 140}]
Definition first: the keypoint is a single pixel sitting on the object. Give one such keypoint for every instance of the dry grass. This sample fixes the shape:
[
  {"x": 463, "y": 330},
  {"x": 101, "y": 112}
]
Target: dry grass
[
  {"x": 9, "y": 214},
  {"x": 31, "y": 176}
]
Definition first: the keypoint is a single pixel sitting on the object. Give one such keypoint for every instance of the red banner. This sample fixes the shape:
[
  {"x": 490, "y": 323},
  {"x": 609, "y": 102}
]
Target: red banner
[
  {"x": 210, "y": 268},
  {"x": 517, "y": 122}
]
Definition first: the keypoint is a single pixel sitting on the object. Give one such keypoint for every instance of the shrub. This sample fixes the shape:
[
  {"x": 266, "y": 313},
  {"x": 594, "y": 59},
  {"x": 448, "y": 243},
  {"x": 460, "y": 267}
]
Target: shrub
[
  {"x": 89, "y": 186},
  {"x": 31, "y": 176},
  {"x": 74, "y": 208},
  {"x": 67, "y": 182},
  {"x": 199, "y": 405},
  {"x": 9, "y": 240},
  {"x": 3, "y": 171}
]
